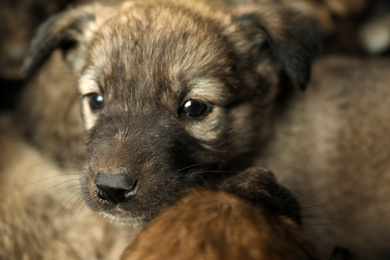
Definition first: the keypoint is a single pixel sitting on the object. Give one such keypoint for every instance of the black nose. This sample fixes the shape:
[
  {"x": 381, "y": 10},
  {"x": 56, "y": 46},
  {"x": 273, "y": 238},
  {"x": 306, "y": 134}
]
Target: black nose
[{"x": 116, "y": 188}]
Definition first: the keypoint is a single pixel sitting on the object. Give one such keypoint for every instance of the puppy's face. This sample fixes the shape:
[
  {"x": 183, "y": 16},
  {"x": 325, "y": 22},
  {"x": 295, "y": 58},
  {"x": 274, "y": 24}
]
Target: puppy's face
[
  {"x": 171, "y": 93},
  {"x": 163, "y": 104}
]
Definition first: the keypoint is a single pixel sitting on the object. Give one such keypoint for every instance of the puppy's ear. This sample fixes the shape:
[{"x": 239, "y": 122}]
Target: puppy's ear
[
  {"x": 294, "y": 39},
  {"x": 70, "y": 31}
]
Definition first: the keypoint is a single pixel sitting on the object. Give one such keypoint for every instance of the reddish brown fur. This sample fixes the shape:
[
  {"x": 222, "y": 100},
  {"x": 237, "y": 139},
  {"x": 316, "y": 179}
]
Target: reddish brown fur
[{"x": 217, "y": 224}]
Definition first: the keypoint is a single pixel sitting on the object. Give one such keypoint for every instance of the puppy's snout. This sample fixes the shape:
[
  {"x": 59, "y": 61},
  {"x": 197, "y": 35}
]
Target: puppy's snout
[{"x": 116, "y": 188}]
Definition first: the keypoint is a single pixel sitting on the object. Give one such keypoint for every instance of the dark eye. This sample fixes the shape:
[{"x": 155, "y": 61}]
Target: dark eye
[
  {"x": 195, "y": 108},
  {"x": 95, "y": 101}
]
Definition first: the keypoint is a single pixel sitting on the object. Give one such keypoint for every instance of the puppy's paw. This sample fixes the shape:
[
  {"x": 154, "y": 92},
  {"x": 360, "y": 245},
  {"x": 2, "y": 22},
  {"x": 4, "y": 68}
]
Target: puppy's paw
[{"x": 260, "y": 187}]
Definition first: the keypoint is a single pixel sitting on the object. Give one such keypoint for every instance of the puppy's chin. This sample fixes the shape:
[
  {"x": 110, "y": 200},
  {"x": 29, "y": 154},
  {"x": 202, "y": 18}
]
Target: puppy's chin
[{"x": 125, "y": 222}]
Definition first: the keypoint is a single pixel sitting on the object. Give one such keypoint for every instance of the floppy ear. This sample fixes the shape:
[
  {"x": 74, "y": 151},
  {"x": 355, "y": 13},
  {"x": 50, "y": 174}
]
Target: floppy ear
[
  {"x": 70, "y": 31},
  {"x": 294, "y": 39}
]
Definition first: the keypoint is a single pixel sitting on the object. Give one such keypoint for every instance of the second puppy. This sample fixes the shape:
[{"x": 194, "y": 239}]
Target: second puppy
[{"x": 250, "y": 217}]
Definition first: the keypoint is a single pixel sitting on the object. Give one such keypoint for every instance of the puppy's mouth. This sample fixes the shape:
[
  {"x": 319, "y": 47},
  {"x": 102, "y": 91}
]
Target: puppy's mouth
[
  {"x": 129, "y": 221},
  {"x": 128, "y": 201},
  {"x": 121, "y": 206}
]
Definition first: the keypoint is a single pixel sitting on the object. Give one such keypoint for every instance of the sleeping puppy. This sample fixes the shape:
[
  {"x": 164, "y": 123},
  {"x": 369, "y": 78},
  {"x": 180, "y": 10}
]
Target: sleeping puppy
[
  {"x": 249, "y": 217},
  {"x": 42, "y": 215},
  {"x": 180, "y": 93}
]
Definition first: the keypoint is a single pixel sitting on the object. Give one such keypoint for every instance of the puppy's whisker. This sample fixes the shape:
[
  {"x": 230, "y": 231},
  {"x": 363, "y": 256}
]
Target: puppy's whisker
[
  {"x": 212, "y": 171},
  {"x": 325, "y": 219},
  {"x": 79, "y": 203},
  {"x": 192, "y": 166},
  {"x": 64, "y": 184},
  {"x": 63, "y": 207},
  {"x": 59, "y": 176},
  {"x": 78, "y": 213}
]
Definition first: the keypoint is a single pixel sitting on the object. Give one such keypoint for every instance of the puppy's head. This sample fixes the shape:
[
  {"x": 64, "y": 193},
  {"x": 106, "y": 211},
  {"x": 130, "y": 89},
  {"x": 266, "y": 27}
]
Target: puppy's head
[
  {"x": 172, "y": 92},
  {"x": 248, "y": 217}
]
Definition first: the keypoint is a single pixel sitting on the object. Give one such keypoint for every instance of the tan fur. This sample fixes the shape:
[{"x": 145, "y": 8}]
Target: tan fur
[
  {"x": 42, "y": 215},
  {"x": 49, "y": 114},
  {"x": 329, "y": 12},
  {"x": 18, "y": 22},
  {"x": 341, "y": 21},
  {"x": 324, "y": 141},
  {"x": 334, "y": 141}
]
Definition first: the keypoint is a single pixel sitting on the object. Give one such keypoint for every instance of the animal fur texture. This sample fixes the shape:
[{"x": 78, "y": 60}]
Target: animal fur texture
[
  {"x": 48, "y": 114},
  {"x": 180, "y": 93},
  {"x": 182, "y": 152},
  {"x": 18, "y": 22},
  {"x": 342, "y": 153},
  {"x": 42, "y": 215},
  {"x": 249, "y": 217}
]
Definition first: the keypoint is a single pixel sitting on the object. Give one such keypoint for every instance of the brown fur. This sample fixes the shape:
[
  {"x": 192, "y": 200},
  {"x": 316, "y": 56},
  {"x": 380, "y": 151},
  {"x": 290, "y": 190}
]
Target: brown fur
[
  {"x": 41, "y": 212},
  {"x": 234, "y": 222},
  {"x": 18, "y": 20},
  {"x": 149, "y": 58},
  {"x": 341, "y": 124},
  {"x": 158, "y": 143},
  {"x": 339, "y": 20},
  {"x": 49, "y": 114},
  {"x": 330, "y": 13}
]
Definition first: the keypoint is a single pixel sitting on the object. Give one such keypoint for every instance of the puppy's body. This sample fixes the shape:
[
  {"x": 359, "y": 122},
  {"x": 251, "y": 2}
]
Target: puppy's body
[
  {"x": 18, "y": 22},
  {"x": 334, "y": 141},
  {"x": 42, "y": 215},
  {"x": 176, "y": 93},
  {"x": 19, "y": 19},
  {"x": 242, "y": 220},
  {"x": 48, "y": 114}
]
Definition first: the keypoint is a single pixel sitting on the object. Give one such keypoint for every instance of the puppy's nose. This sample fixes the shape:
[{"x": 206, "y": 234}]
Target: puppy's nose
[{"x": 116, "y": 188}]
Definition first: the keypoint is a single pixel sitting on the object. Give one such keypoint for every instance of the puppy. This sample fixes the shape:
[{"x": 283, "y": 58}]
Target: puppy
[
  {"x": 49, "y": 117},
  {"x": 249, "y": 217},
  {"x": 19, "y": 19},
  {"x": 180, "y": 93},
  {"x": 42, "y": 215},
  {"x": 174, "y": 122}
]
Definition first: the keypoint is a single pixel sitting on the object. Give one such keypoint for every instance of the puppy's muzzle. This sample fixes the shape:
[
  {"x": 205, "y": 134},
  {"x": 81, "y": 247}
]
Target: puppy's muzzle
[{"x": 115, "y": 188}]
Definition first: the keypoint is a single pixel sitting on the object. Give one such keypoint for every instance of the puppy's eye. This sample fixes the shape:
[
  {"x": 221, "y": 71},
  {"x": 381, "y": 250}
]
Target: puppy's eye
[
  {"x": 95, "y": 100},
  {"x": 193, "y": 108}
]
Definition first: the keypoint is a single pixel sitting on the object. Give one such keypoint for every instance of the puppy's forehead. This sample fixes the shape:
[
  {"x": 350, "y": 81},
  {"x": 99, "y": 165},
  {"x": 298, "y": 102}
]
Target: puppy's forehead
[{"x": 158, "y": 46}]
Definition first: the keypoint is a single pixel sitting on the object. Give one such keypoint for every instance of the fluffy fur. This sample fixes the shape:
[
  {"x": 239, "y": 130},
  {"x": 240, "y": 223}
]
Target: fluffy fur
[
  {"x": 249, "y": 217},
  {"x": 147, "y": 59},
  {"x": 42, "y": 215}
]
